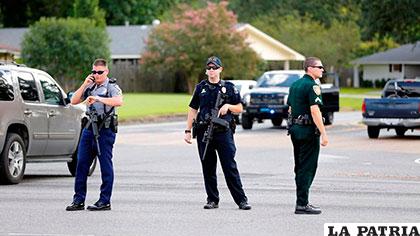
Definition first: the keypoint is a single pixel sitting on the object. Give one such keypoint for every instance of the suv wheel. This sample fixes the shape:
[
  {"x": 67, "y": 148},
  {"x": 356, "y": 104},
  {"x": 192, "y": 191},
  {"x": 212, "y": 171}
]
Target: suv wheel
[
  {"x": 277, "y": 121},
  {"x": 373, "y": 132},
  {"x": 73, "y": 164},
  {"x": 12, "y": 160},
  {"x": 247, "y": 122}
]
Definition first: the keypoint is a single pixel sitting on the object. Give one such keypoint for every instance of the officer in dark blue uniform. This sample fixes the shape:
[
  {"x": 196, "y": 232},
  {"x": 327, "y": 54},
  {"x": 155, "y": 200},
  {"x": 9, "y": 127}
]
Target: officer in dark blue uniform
[
  {"x": 202, "y": 102},
  {"x": 102, "y": 95}
]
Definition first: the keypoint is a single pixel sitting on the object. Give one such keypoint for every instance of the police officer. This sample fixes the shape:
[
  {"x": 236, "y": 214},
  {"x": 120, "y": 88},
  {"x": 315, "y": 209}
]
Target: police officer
[
  {"x": 102, "y": 95},
  {"x": 202, "y": 102},
  {"x": 306, "y": 128}
]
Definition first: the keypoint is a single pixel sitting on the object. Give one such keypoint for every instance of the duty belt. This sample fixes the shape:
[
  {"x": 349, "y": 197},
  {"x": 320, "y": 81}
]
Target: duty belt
[{"x": 300, "y": 121}]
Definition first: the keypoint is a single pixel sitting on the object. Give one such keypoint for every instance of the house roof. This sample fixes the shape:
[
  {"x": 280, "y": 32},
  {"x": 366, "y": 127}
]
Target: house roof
[
  {"x": 268, "y": 47},
  {"x": 126, "y": 41},
  {"x": 130, "y": 42},
  {"x": 406, "y": 54}
]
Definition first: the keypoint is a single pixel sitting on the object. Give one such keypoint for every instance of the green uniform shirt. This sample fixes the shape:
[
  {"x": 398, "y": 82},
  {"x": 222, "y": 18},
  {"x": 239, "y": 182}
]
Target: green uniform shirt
[{"x": 303, "y": 94}]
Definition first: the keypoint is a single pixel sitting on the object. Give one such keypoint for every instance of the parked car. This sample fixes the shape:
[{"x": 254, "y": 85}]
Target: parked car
[
  {"x": 243, "y": 86},
  {"x": 37, "y": 122},
  {"x": 398, "y": 108},
  {"x": 268, "y": 100}
]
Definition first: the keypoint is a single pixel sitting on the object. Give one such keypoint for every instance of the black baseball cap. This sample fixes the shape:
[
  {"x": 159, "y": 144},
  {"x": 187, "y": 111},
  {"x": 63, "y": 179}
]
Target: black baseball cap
[{"x": 214, "y": 60}]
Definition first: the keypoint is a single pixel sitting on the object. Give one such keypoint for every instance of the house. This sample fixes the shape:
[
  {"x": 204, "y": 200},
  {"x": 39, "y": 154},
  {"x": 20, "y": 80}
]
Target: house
[
  {"x": 268, "y": 48},
  {"x": 396, "y": 63},
  {"x": 128, "y": 43}
]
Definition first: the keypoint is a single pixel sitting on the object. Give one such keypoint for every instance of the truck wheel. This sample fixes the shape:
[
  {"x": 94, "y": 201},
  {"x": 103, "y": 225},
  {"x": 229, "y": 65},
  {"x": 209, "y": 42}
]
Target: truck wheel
[
  {"x": 400, "y": 131},
  {"x": 329, "y": 118},
  {"x": 247, "y": 122},
  {"x": 12, "y": 160},
  {"x": 373, "y": 131},
  {"x": 73, "y": 164},
  {"x": 277, "y": 121}
]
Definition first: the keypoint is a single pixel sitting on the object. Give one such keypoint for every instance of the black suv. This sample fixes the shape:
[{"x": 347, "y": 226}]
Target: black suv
[{"x": 268, "y": 100}]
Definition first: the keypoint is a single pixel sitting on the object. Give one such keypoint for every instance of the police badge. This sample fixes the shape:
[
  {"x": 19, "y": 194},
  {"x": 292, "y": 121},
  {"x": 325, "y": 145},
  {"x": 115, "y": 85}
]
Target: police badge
[
  {"x": 317, "y": 89},
  {"x": 223, "y": 89}
]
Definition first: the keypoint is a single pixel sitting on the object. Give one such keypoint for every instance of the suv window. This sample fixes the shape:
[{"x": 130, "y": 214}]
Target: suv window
[
  {"x": 6, "y": 86},
  {"x": 27, "y": 87},
  {"x": 52, "y": 94},
  {"x": 277, "y": 80},
  {"x": 403, "y": 89}
]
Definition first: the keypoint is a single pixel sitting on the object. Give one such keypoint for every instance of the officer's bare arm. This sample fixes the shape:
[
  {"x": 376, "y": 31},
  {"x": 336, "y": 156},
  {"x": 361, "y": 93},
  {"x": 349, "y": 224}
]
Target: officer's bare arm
[
  {"x": 115, "y": 101},
  {"x": 317, "y": 117},
  {"x": 192, "y": 115},
  {"x": 77, "y": 96},
  {"x": 236, "y": 108}
]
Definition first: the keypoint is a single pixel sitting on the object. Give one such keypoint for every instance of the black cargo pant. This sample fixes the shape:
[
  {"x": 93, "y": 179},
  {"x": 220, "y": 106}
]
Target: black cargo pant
[
  {"x": 306, "y": 147},
  {"x": 224, "y": 145}
]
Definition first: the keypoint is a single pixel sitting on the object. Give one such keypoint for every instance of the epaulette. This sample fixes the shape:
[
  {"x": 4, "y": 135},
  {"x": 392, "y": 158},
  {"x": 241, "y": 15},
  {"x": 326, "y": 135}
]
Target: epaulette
[{"x": 113, "y": 80}]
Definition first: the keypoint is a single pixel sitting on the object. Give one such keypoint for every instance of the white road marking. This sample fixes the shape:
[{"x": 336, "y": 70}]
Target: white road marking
[
  {"x": 417, "y": 161},
  {"x": 330, "y": 156}
]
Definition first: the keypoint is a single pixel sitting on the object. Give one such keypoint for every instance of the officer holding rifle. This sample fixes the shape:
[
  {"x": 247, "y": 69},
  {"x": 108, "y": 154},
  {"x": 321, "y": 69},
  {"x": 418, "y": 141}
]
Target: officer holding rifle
[{"x": 210, "y": 113}]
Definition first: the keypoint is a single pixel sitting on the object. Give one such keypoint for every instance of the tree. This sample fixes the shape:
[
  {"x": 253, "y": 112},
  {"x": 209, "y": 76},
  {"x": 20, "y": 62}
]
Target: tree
[
  {"x": 65, "y": 48},
  {"x": 323, "y": 11},
  {"x": 184, "y": 44},
  {"x": 89, "y": 9},
  {"x": 21, "y": 13},
  {"x": 333, "y": 45},
  {"x": 398, "y": 19},
  {"x": 375, "y": 45},
  {"x": 135, "y": 11}
]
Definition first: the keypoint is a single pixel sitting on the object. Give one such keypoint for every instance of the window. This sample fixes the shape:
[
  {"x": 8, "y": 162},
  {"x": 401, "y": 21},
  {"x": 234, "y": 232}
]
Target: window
[
  {"x": 27, "y": 87},
  {"x": 277, "y": 80},
  {"x": 6, "y": 86},
  {"x": 395, "y": 67},
  {"x": 52, "y": 94}
]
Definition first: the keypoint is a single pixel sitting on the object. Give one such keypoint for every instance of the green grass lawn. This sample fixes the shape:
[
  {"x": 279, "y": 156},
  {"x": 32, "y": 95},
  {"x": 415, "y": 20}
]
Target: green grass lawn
[
  {"x": 355, "y": 97},
  {"x": 350, "y": 104},
  {"x": 360, "y": 91},
  {"x": 144, "y": 105},
  {"x": 141, "y": 105}
]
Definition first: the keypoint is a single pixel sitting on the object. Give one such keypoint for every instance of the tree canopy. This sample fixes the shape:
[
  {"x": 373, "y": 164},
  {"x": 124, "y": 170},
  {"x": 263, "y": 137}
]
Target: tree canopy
[
  {"x": 65, "y": 48},
  {"x": 184, "y": 44}
]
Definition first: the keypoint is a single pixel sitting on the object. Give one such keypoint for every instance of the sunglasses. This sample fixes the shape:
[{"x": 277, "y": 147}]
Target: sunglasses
[
  {"x": 99, "y": 72},
  {"x": 212, "y": 67},
  {"x": 319, "y": 67}
]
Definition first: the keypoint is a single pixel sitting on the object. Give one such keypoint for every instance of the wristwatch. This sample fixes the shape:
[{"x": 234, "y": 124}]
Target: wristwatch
[{"x": 187, "y": 131}]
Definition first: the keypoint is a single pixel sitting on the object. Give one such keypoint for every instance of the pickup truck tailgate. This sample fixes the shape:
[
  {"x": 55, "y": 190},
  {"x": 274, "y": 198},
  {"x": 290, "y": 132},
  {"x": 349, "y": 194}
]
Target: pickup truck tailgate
[{"x": 408, "y": 108}]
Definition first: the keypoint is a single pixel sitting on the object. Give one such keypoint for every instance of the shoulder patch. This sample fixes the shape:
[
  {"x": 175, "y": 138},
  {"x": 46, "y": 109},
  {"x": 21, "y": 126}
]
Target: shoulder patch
[
  {"x": 317, "y": 89},
  {"x": 235, "y": 90}
]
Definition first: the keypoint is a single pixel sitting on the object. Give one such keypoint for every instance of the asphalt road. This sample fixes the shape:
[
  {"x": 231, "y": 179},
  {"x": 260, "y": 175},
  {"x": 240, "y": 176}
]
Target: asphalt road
[{"x": 159, "y": 188}]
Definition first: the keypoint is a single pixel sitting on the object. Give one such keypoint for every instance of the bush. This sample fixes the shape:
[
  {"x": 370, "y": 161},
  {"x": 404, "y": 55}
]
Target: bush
[{"x": 65, "y": 48}]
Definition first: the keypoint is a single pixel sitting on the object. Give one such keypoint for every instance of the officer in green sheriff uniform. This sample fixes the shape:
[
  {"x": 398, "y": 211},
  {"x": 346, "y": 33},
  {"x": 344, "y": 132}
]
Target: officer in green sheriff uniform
[{"x": 306, "y": 128}]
